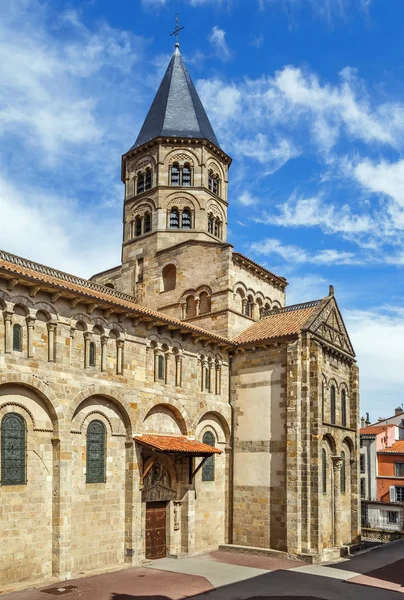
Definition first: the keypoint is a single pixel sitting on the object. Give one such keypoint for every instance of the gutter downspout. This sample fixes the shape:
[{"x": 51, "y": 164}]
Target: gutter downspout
[{"x": 231, "y": 470}]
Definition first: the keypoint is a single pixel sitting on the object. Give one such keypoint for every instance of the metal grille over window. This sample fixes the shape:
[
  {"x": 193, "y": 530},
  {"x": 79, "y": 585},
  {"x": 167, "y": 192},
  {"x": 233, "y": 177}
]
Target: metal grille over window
[
  {"x": 17, "y": 338},
  {"x": 332, "y": 398},
  {"x": 343, "y": 408},
  {"x": 343, "y": 474},
  {"x": 160, "y": 367},
  {"x": 175, "y": 175},
  {"x": 174, "y": 219},
  {"x": 147, "y": 223},
  {"x": 208, "y": 469},
  {"x": 186, "y": 219},
  {"x": 324, "y": 470},
  {"x": 91, "y": 359},
  {"x": 186, "y": 175},
  {"x": 13, "y": 450},
  {"x": 140, "y": 183},
  {"x": 96, "y": 450}
]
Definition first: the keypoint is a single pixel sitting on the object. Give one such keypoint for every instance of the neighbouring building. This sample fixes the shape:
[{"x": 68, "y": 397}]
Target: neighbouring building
[{"x": 173, "y": 403}]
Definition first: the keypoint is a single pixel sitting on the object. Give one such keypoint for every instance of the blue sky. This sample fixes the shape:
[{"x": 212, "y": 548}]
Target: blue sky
[{"x": 305, "y": 95}]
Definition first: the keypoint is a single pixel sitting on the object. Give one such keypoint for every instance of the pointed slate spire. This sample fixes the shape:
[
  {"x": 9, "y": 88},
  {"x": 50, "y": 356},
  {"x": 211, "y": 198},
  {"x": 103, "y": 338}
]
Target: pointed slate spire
[{"x": 177, "y": 110}]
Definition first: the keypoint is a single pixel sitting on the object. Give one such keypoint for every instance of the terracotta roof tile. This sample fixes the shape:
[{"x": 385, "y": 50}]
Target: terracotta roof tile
[
  {"x": 176, "y": 443},
  {"x": 374, "y": 429},
  {"x": 41, "y": 273},
  {"x": 396, "y": 448},
  {"x": 284, "y": 322}
]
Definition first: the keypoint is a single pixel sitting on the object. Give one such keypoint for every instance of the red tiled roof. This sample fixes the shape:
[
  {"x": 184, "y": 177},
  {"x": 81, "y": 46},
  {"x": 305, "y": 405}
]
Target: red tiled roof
[
  {"x": 374, "y": 429},
  {"x": 396, "y": 448},
  {"x": 176, "y": 443},
  {"x": 40, "y": 273},
  {"x": 287, "y": 321}
]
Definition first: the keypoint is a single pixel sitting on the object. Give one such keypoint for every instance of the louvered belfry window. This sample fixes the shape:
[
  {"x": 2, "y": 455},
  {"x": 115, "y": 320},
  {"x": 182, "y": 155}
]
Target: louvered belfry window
[
  {"x": 186, "y": 219},
  {"x": 13, "y": 450},
  {"x": 208, "y": 469},
  {"x": 175, "y": 175},
  {"x": 174, "y": 219},
  {"x": 96, "y": 450}
]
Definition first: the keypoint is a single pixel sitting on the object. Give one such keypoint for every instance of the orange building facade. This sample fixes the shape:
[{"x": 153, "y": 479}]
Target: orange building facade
[{"x": 390, "y": 473}]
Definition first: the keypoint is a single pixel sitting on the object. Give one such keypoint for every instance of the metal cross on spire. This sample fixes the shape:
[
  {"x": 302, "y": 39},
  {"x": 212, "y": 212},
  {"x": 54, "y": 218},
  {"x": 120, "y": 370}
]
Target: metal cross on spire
[{"x": 176, "y": 32}]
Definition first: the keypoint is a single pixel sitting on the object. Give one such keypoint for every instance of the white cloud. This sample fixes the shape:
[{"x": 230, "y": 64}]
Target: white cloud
[
  {"x": 294, "y": 255},
  {"x": 377, "y": 336},
  {"x": 44, "y": 227},
  {"x": 324, "y": 9},
  {"x": 306, "y": 288},
  {"x": 382, "y": 178},
  {"x": 246, "y": 199},
  {"x": 273, "y": 155},
  {"x": 218, "y": 40}
]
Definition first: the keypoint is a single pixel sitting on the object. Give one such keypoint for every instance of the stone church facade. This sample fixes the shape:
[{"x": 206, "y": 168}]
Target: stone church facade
[{"x": 171, "y": 404}]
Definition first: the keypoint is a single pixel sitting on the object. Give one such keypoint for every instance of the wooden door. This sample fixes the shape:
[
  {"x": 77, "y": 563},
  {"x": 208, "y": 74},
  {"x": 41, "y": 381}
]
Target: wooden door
[{"x": 156, "y": 530}]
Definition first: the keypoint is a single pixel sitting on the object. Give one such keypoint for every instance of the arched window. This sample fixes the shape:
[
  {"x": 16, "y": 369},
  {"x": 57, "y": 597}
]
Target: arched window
[
  {"x": 17, "y": 337},
  {"x": 169, "y": 274},
  {"x": 109, "y": 285},
  {"x": 175, "y": 174},
  {"x": 210, "y": 223},
  {"x": 332, "y": 398},
  {"x": 91, "y": 357},
  {"x": 174, "y": 218},
  {"x": 204, "y": 303},
  {"x": 343, "y": 408},
  {"x": 248, "y": 306},
  {"x": 343, "y": 473},
  {"x": 161, "y": 367},
  {"x": 208, "y": 469},
  {"x": 148, "y": 179},
  {"x": 96, "y": 452},
  {"x": 214, "y": 183},
  {"x": 186, "y": 175},
  {"x": 138, "y": 226},
  {"x": 216, "y": 228},
  {"x": 13, "y": 450},
  {"x": 324, "y": 470},
  {"x": 140, "y": 183},
  {"x": 147, "y": 223},
  {"x": 191, "y": 307},
  {"x": 186, "y": 218}
]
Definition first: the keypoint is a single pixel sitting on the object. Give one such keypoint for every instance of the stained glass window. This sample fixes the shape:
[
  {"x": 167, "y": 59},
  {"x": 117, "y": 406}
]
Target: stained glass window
[
  {"x": 17, "y": 338},
  {"x": 175, "y": 175},
  {"x": 96, "y": 450},
  {"x": 186, "y": 219},
  {"x": 13, "y": 450},
  {"x": 343, "y": 408},
  {"x": 343, "y": 473},
  {"x": 332, "y": 398},
  {"x": 91, "y": 358},
  {"x": 174, "y": 219},
  {"x": 208, "y": 469},
  {"x": 186, "y": 175},
  {"x": 324, "y": 470}
]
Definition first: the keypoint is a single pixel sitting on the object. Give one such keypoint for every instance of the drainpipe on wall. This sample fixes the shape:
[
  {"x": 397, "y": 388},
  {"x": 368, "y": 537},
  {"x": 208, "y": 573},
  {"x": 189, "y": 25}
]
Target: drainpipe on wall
[{"x": 231, "y": 471}]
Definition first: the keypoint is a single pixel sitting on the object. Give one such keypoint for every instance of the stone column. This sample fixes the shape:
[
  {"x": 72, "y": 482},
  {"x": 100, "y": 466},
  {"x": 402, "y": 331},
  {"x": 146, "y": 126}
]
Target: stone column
[
  {"x": 104, "y": 341},
  {"x": 204, "y": 366},
  {"x": 183, "y": 310},
  {"x": 218, "y": 378},
  {"x": 8, "y": 332},
  {"x": 197, "y": 303},
  {"x": 119, "y": 357},
  {"x": 134, "y": 524},
  {"x": 210, "y": 367},
  {"x": 336, "y": 464},
  {"x": 51, "y": 341},
  {"x": 188, "y": 523},
  {"x": 72, "y": 330},
  {"x": 87, "y": 340},
  {"x": 178, "y": 370},
  {"x": 61, "y": 508},
  {"x": 30, "y": 336}
]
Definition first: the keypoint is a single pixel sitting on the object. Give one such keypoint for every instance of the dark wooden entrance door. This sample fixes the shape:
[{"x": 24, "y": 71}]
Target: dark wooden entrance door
[{"x": 156, "y": 529}]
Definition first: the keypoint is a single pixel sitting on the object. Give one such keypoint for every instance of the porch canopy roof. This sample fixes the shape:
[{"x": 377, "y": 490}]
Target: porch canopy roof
[{"x": 178, "y": 444}]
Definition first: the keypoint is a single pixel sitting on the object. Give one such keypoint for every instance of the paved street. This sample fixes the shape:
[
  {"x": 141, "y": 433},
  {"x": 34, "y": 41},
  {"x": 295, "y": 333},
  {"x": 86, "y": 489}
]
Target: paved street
[{"x": 375, "y": 575}]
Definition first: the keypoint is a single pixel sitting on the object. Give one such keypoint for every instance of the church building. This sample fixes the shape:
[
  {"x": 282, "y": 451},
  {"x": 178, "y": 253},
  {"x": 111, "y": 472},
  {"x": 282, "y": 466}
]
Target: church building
[{"x": 174, "y": 403}]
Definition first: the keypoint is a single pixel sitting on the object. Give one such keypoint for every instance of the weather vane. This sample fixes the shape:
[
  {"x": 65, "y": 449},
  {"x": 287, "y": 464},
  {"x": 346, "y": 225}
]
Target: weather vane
[{"x": 176, "y": 31}]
